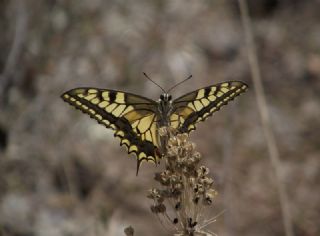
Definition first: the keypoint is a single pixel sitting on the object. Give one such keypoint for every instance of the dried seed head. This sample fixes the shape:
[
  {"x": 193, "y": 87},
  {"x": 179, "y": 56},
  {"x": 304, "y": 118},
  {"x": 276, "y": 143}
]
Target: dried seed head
[
  {"x": 158, "y": 208},
  {"x": 207, "y": 200},
  {"x": 155, "y": 195},
  {"x": 206, "y": 181},
  {"x": 164, "y": 177},
  {"x": 176, "y": 193},
  {"x": 196, "y": 199},
  {"x": 162, "y": 208},
  {"x": 174, "y": 179},
  {"x": 173, "y": 142},
  {"x": 190, "y": 161},
  {"x": 166, "y": 193},
  {"x": 197, "y": 156},
  {"x": 129, "y": 231},
  {"x": 157, "y": 176},
  {"x": 178, "y": 186},
  {"x": 189, "y": 147},
  {"x": 198, "y": 189},
  {"x": 208, "y": 197},
  {"x": 203, "y": 170},
  {"x": 163, "y": 131},
  {"x": 178, "y": 206},
  {"x": 183, "y": 184}
]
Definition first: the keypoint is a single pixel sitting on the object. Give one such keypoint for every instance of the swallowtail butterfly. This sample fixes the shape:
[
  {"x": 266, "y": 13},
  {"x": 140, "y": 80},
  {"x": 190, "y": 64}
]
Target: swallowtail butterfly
[{"x": 136, "y": 119}]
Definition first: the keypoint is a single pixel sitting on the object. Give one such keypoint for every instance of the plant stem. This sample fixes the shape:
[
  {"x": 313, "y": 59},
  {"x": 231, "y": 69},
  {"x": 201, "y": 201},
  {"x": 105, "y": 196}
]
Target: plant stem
[{"x": 265, "y": 116}]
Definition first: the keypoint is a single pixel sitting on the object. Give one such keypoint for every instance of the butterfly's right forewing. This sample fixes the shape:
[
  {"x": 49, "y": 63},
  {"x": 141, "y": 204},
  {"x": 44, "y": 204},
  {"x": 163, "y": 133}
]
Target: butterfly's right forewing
[{"x": 198, "y": 105}]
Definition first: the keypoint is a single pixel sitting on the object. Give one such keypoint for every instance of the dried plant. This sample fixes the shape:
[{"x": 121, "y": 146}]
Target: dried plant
[
  {"x": 186, "y": 190},
  {"x": 274, "y": 153},
  {"x": 129, "y": 231}
]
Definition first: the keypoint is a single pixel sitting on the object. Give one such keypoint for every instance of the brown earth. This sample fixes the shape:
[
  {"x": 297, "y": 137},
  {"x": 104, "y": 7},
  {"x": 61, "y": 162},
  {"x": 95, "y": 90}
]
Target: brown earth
[{"x": 63, "y": 174}]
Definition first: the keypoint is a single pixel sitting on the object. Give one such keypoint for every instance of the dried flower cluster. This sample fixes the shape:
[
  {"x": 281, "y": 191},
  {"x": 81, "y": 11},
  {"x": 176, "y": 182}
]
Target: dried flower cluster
[{"x": 186, "y": 190}]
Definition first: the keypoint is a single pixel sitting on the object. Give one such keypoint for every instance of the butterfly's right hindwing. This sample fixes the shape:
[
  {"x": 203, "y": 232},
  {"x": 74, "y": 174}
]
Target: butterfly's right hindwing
[{"x": 131, "y": 117}]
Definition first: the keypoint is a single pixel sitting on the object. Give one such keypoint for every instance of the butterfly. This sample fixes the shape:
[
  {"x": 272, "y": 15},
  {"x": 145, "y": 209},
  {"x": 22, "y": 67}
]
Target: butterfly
[{"x": 135, "y": 119}]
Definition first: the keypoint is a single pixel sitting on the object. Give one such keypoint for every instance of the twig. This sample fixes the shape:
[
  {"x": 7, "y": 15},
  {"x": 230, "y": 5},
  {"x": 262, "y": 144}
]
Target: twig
[
  {"x": 265, "y": 116},
  {"x": 6, "y": 77},
  {"x": 227, "y": 153},
  {"x": 214, "y": 219}
]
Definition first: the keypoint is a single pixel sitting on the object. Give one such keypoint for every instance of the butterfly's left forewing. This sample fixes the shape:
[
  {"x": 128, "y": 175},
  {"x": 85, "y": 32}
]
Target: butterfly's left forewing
[
  {"x": 132, "y": 118},
  {"x": 196, "y": 106}
]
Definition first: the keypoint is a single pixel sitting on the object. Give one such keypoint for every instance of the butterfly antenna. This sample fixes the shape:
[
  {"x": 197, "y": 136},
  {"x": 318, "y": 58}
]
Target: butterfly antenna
[
  {"x": 153, "y": 81},
  {"x": 190, "y": 76}
]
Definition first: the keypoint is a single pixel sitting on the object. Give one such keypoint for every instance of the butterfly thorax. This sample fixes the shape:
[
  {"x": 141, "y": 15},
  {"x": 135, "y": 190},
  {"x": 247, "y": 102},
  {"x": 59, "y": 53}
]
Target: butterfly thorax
[{"x": 164, "y": 109}]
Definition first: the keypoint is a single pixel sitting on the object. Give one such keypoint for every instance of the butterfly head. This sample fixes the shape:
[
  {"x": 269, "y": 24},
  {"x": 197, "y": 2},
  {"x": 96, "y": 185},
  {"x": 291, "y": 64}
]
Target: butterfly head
[{"x": 165, "y": 97}]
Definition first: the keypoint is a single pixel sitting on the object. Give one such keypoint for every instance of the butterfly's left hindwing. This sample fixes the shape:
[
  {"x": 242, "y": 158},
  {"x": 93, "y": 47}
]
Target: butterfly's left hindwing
[
  {"x": 131, "y": 117},
  {"x": 196, "y": 106}
]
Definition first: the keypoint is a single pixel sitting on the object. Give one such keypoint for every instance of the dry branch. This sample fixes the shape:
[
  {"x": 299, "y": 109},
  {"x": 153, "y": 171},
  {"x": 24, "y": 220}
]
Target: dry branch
[
  {"x": 20, "y": 35},
  {"x": 265, "y": 116}
]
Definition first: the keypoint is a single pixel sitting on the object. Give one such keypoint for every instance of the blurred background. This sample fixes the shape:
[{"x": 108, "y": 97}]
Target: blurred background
[{"x": 63, "y": 174}]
